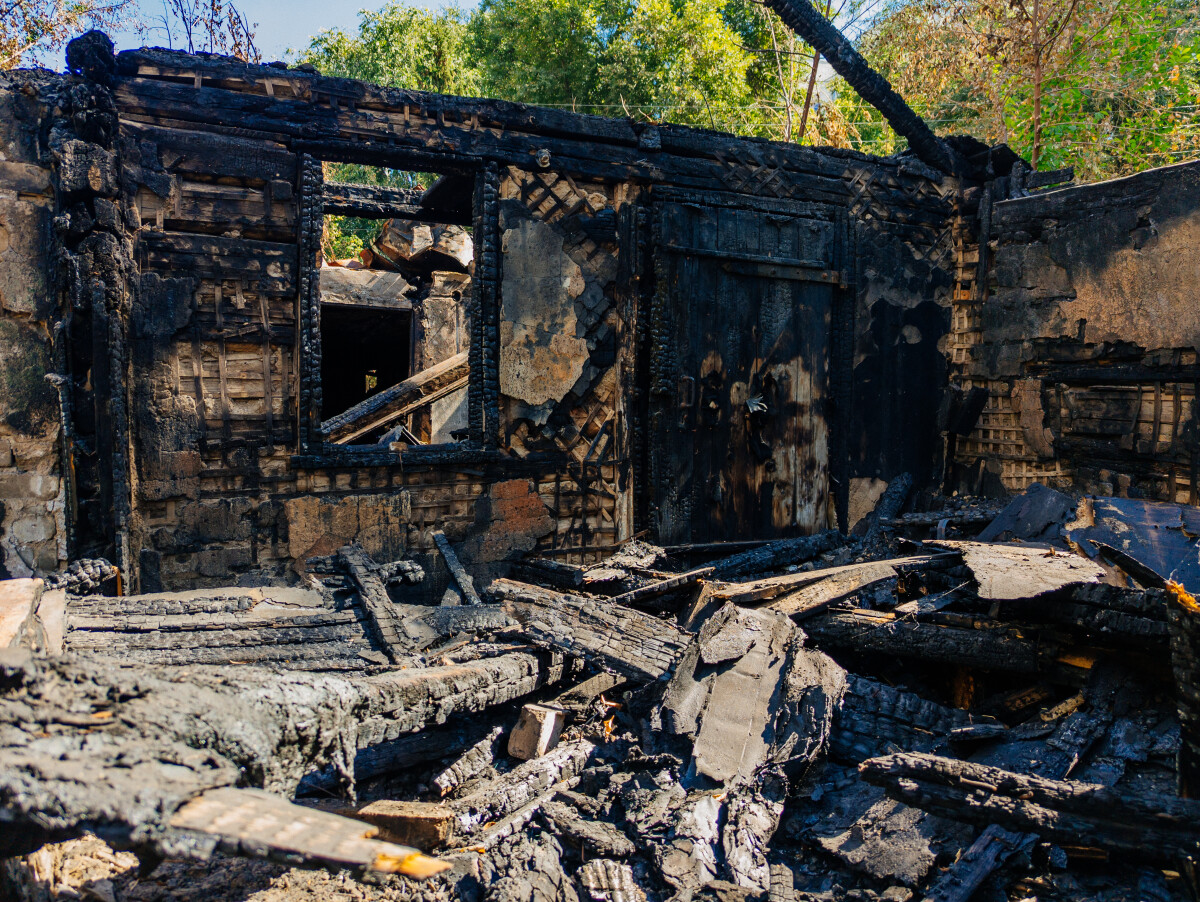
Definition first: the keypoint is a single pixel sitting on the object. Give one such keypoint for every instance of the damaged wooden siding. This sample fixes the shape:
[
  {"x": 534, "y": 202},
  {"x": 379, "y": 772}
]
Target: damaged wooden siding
[
  {"x": 197, "y": 385},
  {"x": 1082, "y": 343}
]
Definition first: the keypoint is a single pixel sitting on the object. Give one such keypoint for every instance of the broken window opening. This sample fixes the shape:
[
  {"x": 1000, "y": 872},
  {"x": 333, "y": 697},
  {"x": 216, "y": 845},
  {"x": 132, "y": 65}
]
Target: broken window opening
[{"x": 394, "y": 270}]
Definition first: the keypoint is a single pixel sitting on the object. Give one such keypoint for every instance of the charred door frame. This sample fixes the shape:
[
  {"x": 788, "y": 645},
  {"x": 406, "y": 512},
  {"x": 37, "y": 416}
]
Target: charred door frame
[
  {"x": 656, "y": 354},
  {"x": 483, "y": 386}
]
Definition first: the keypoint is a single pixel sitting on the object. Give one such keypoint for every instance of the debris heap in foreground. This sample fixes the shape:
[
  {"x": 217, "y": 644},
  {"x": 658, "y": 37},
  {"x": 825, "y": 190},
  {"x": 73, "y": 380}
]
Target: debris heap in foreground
[{"x": 836, "y": 718}]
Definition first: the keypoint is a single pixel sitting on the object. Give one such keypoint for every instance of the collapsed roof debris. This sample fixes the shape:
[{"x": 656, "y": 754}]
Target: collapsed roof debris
[{"x": 741, "y": 759}]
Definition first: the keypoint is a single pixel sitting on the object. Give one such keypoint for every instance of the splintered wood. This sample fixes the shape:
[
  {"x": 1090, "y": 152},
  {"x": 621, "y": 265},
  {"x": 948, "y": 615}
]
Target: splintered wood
[{"x": 258, "y": 823}]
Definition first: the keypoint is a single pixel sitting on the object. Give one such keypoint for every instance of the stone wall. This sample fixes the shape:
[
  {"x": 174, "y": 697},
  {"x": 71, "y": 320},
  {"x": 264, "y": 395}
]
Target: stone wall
[{"x": 33, "y": 532}]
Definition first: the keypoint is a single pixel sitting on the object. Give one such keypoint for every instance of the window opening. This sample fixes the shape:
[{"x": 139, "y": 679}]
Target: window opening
[{"x": 395, "y": 270}]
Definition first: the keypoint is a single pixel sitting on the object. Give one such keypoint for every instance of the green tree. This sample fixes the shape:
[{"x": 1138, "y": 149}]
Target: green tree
[
  {"x": 657, "y": 60},
  {"x": 1106, "y": 86},
  {"x": 400, "y": 46},
  {"x": 32, "y": 30}
]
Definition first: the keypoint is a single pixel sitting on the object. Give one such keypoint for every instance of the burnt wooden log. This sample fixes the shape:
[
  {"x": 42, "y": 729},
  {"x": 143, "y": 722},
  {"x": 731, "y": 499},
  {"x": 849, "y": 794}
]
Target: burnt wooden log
[
  {"x": 532, "y": 781},
  {"x": 461, "y": 577},
  {"x": 803, "y": 18},
  {"x": 374, "y": 201},
  {"x": 470, "y": 764},
  {"x": 1157, "y": 828},
  {"x": 554, "y": 573},
  {"x": 992, "y": 647},
  {"x": 662, "y": 587},
  {"x": 389, "y": 405},
  {"x": 1185, "y": 661},
  {"x": 372, "y": 590},
  {"x": 268, "y": 627},
  {"x": 1112, "y": 614},
  {"x": 1071, "y": 740},
  {"x": 887, "y": 508},
  {"x": 778, "y": 554},
  {"x": 618, "y": 638},
  {"x": 132, "y": 744},
  {"x": 874, "y": 716}
]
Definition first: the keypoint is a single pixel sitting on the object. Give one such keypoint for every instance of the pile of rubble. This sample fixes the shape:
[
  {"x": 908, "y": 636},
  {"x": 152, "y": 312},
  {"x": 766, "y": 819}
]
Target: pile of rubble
[{"x": 943, "y": 707}]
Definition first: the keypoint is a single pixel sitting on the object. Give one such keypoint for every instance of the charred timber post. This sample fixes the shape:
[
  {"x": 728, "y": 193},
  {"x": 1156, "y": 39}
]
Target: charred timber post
[
  {"x": 803, "y": 18},
  {"x": 1185, "y": 661}
]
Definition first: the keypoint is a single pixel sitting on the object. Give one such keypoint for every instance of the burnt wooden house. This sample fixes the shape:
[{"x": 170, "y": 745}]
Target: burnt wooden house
[{"x": 621, "y": 328}]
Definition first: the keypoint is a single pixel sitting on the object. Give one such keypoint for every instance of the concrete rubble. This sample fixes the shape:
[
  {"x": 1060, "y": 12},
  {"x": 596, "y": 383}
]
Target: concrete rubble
[{"x": 1017, "y": 725}]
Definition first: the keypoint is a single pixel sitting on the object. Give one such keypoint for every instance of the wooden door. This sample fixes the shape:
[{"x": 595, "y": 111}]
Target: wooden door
[{"x": 739, "y": 437}]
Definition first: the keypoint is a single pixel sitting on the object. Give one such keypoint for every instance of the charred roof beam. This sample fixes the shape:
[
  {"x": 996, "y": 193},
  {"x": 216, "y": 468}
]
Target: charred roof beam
[{"x": 803, "y": 18}]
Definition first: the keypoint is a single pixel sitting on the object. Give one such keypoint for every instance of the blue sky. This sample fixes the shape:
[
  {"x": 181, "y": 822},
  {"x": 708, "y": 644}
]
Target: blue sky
[{"x": 282, "y": 24}]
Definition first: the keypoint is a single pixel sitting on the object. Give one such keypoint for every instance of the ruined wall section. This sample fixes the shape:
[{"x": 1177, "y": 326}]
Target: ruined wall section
[
  {"x": 32, "y": 489},
  {"x": 566, "y": 351},
  {"x": 907, "y": 257},
  {"x": 220, "y": 495},
  {"x": 1086, "y": 341}
]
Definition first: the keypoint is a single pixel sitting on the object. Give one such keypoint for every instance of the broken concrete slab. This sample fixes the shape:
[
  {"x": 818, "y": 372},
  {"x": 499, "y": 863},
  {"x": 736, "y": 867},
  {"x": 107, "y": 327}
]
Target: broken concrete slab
[{"x": 745, "y": 692}]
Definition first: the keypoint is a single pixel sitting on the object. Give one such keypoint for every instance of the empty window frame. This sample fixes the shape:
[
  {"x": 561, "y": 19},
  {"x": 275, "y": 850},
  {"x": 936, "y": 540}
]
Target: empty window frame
[{"x": 387, "y": 323}]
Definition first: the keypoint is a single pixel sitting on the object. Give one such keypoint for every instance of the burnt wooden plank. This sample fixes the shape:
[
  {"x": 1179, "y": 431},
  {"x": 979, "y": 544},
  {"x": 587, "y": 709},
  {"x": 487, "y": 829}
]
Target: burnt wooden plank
[{"x": 391, "y": 403}]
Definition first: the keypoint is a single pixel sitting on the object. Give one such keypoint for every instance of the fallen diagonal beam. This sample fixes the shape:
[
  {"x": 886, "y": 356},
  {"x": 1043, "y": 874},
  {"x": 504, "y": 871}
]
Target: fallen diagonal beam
[
  {"x": 662, "y": 587},
  {"x": 777, "y": 554},
  {"x": 381, "y": 613},
  {"x": 1155, "y": 827},
  {"x": 639, "y": 646},
  {"x": 765, "y": 589},
  {"x": 392, "y": 403},
  {"x": 461, "y": 578},
  {"x": 820, "y": 34}
]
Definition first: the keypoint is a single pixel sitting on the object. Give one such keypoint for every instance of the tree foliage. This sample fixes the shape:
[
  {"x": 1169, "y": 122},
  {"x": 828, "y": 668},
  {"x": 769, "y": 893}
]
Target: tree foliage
[
  {"x": 32, "y": 30},
  {"x": 1106, "y": 86}
]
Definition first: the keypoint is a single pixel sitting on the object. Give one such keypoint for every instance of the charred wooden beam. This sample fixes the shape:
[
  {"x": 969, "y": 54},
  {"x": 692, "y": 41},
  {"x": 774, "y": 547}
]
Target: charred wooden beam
[
  {"x": 992, "y": 648},
  {"x": 131, "y": 744},
  {"x": 257, "y": 824},
  {"x": 555, "y": 573},
  {"x": 1149, "y": 827},
  {"x": 804, "y": 19},
  {"x": 461, "y": 577},
  {"x": 381, "y": 613},
  {"x": 387, "y": 406},
  {"x": 778, "y": 554},
  {"x": 1185, "y": 661},
  {"x": 662, "y": 587},
  {"x": 621, "y": 639},
  {"x": 532, "y": 780},
  {"x": 1071, "y": 740},
  {"x": 469, "y": 764},
  {"x": 874, "y": 716},
  {"x": 375, "y": 201}
]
